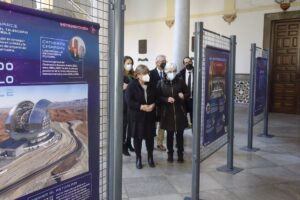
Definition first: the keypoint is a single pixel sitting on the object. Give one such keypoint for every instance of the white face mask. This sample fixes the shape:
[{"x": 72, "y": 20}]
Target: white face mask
[
  {"x": 128, "y": 67},
  {"x": 146, "y": 78},
  {"x": 171, "y": 76}
]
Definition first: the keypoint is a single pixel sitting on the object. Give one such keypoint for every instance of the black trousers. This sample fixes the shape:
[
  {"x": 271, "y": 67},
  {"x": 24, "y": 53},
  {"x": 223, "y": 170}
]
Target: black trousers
[
  {"x": 179, "y": 141},
  {"x": 138, "y": 145},
  {"x": 126, "y": 134},
  {"x": 189, "y": 108}
]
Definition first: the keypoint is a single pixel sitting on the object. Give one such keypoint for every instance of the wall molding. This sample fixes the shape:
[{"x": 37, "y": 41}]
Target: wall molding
[{"x": 274, "y": 7}]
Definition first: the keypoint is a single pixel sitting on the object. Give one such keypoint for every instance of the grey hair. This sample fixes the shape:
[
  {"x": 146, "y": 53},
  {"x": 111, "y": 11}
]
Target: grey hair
[
  {"x": 161, "y": 56},
  {"x": 170, "y": 66}
]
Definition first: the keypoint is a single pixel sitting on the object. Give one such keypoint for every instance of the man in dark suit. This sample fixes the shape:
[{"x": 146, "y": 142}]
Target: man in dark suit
[
  {"x": 187, "y": 74},
  {"x": 156, "y": 75}
]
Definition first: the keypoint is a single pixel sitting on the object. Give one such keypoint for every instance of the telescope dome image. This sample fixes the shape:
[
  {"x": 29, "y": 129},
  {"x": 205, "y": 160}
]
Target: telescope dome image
[
  {"x": 29, "y": 121},
  {"x": 28, "y": 128}
]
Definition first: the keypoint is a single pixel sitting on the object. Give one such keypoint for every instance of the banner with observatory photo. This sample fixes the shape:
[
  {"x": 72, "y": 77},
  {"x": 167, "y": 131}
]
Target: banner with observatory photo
[{"x": 49, "y": 102}]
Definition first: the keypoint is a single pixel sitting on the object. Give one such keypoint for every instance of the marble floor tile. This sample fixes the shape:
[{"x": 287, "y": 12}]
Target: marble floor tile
[
  {"x": 162, "y": 197},
  {"x": 294, "y": 168},
  {"x": 183, "y": 183},
  {"x": 252, "y": 160},
  {"x": 279, "y": 159},
  {"x": 262, "y": 192},
  {"x": 242, "y": 179},
  {"x": 148, "y": 186},
  {"x": 176, "y": 168},
  {"x": 274, "y": 174},
  {"x": 218, "y": 195},
  {"x": 292, "y": 188},
  {"x": 130, "y": 171}
]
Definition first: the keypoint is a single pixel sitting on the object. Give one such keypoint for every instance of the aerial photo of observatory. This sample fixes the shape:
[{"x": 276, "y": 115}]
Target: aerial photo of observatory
[{"x": 43, "y": 141}]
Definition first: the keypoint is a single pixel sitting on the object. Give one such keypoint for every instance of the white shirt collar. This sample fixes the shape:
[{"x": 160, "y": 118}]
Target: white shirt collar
[{"x": 158, "y": 70}]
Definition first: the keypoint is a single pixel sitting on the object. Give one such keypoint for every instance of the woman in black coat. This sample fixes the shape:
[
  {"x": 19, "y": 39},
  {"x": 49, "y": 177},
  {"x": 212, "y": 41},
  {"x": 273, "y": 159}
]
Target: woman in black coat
[
  {"x": 128, "y": 77},
  {"x": 140, "y": 98},
  {"x": 172, "y": 92}
]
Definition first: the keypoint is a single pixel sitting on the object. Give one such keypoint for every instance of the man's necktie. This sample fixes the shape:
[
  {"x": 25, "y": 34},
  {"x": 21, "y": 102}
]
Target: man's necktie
[{"x": 190, "y": 82}]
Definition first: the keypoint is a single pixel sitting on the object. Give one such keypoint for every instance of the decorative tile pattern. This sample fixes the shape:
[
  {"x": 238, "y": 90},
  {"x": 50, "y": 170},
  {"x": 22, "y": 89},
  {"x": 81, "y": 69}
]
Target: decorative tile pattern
[{"x": 242, "y": 89}]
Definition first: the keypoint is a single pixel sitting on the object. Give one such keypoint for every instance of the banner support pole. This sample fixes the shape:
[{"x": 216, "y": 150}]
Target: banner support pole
[
  {"x": 249, "y": 146},
  {"x": 229, "y": 168},
  {"x": 266, "y": 111},
  {"x": 116, "y": 54},
  {"x": 197, "y": 111}
]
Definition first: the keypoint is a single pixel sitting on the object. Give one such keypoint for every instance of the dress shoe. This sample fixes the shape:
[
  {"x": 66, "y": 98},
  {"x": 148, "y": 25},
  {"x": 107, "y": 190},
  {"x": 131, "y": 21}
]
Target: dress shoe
[
  {"x": 161, "y": 147},
  {"x": 170, "y": 157},
  {"x": 180, "y": 158},
  {"x": 151, "y": 161},
  {"x": 125, "y": 150},
  {"x": 139, "y": 164},
  {"x": 130, "y": 147}
]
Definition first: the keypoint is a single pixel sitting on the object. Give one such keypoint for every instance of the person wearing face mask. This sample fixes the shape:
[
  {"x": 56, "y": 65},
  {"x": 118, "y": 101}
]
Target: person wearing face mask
[
  {"x": 141, "y": 99},
  {"x": 172, "y": 93},
  {"x": 128, "y": 77},
  {"x": 155, "y": 75},
  {"x": 187, "y": 74}
]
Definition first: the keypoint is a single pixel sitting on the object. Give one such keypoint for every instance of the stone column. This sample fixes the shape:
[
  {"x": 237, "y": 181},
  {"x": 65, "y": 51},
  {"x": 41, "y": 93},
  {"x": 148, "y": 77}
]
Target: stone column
[{"x": 181, "y": 31}]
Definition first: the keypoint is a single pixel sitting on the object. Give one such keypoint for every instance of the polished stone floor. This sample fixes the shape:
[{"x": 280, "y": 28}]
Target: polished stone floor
[{"x": 273, "y": 173}]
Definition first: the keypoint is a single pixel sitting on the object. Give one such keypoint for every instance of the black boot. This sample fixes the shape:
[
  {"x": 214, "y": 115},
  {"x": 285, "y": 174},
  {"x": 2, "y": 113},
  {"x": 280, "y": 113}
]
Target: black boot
[
  {"x": 125, "y": 150},
  {"x": 180, "y": 158},
  {"x": 130, "y": 147},
  {"x": 151, "y": 161},
  {"x": 170, "y": 157},
  {"x": 139, "y": 164}
]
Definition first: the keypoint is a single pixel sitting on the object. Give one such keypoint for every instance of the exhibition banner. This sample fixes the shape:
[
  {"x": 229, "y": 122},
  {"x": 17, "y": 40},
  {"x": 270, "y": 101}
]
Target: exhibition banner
[
  {"x": 260, "y": 93},
  {"x": 216, "y": 90},
  {"x": 49, "y": 106}
]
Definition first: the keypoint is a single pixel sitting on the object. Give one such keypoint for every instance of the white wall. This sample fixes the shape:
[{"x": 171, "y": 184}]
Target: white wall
[
  {"x": 248, "y": 27},
  {"x": 159, "y": 41}
]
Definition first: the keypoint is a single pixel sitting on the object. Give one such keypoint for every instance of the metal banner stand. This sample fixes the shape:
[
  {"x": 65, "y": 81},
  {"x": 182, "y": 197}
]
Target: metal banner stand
[
  {"x": 249, "y": 146},
  {"x": 266, "y": 113},
  {"x": 229, "y": 168},
  {"x": 116, "y": 52},
  {"x": 197, "y": 112}
]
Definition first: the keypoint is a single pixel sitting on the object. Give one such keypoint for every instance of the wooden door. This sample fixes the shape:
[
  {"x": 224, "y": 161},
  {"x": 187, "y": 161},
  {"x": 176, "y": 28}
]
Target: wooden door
[{"x": 285, "y": 67}]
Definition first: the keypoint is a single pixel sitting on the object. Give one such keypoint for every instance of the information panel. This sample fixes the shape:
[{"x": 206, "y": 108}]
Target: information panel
[
  {"x": 216, "y": 87},
  {"x": 260, "y": 85},
  {"x": 49, "y": 104}
]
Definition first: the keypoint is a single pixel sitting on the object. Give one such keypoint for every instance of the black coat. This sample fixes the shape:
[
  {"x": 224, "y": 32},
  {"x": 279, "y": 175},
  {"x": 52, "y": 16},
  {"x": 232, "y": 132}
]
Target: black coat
[
  {"x": 142, "y": 123},
  {"x": 127, "y": 80},
  {"x": 154, "y": 79},
  {"x": 182, "y": 74},
  {"x": 173, "y": 116}
]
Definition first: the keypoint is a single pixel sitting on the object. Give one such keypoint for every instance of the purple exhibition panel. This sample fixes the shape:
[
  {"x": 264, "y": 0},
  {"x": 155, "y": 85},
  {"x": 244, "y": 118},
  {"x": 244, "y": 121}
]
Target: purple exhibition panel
[
  {"x": 216, "y": 90},
  {"x": 49, "y": 106},
  {"x": 260, "y": 86}
]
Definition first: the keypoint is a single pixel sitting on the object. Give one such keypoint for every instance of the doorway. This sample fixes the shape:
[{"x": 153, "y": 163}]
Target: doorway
[{"x": 282, "y": 36}]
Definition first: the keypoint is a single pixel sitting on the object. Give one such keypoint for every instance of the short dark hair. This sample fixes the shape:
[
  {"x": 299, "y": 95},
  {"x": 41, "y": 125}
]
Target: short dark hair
[
  {"x": 185, "y": 58},
  {"x": 128, "y": 58}
]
